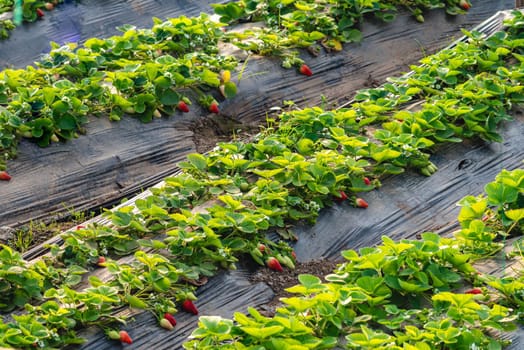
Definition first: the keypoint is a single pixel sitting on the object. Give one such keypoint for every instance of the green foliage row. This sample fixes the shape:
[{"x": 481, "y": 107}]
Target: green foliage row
[
  {"x": 224, "y": 203},
  {"x": 399, "y": 295},
  {"x": 311, "y": 23},
  {"x": 144, "y": 72},
  {"x": 147, "y": 72}
]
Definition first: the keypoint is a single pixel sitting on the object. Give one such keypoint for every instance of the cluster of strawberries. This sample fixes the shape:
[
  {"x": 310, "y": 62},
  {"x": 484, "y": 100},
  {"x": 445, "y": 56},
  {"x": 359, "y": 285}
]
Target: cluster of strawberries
[{"x": 168, "y": 322}]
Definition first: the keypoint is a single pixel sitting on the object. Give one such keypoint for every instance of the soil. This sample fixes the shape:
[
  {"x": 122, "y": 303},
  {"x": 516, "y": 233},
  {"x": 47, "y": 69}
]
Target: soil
[
  {"x": 219, "y": 128},
  {"x": 279, "y": 281}
]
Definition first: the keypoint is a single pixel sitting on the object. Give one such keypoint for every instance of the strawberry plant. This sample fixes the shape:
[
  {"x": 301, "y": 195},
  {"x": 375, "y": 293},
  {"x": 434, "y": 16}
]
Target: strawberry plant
[
  {"x": 145, "y": 73},
  {"x": 153, "y": 72},
  {"x": 395, "y": 295},
  {"x": 224, "y": 203},
  {"x": 308, "y": 24}
]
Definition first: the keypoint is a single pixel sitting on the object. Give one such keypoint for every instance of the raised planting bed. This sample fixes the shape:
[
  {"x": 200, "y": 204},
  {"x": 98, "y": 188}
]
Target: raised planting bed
[
  {"x": 121, "y": 158},
  {"x": 234, "y": 205}
]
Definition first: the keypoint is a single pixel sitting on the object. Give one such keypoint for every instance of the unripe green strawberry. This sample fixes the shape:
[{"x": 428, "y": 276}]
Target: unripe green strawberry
[
  {"x": 285, "y": 260},
  {"x": 113, "y": 335},
  {"x": 164, "y": 323},
  {"x": 244, "y": 186}
]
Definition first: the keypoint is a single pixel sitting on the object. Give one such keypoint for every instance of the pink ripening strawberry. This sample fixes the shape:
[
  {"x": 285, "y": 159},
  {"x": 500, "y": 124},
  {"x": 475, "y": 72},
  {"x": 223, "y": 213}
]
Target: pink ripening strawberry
[
  {"x": 464, "y": 4},
  {"x": 274, "y": 264},
  {"x": 343, "y": 196},
  {"x": 361, "y": 203},
  {"x": 101, "y": 261}
]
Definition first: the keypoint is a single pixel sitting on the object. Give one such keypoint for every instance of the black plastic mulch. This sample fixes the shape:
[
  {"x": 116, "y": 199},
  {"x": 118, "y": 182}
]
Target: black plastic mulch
[{"x": 113, "y": 157}]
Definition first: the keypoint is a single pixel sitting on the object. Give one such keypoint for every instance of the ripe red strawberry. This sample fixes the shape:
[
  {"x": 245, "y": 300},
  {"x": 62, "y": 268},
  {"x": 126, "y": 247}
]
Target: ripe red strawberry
[
  {"x": 464, "y": 4},
  {"x": 79, "y": 227},
  {"x": 125, "y": 338},
  {"x": 4, "y": 176},
  {"x": 101, "y": 261},
  {"x": 164, "y": 323},
  {"x": 304, "y": 69},
  {"x": 294, "y": 255},
  {"x": 274, "y": 264},
  {"x": 361, "y": 203},
  {"x": 474, "y": 291},
  {"x": 213, "y": 108},
  {"x": 188, "y": 306},
  {"x": 343, "y": 196},
  {"x": 39, "y": 13},
  {"x": 367, "y": 181},
  {"x": 170, "y": 318},
  {"x": 182, "y": 106}
]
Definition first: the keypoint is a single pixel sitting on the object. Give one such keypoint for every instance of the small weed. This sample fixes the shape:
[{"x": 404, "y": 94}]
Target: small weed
[
  {"x": 23, "y": 238},
  {"x": 36, "y": 232}
]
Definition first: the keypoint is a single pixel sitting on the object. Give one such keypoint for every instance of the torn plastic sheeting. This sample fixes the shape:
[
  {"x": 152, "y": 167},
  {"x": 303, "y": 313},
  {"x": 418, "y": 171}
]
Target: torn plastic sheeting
[{"x": 115, "y": 159}]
